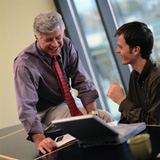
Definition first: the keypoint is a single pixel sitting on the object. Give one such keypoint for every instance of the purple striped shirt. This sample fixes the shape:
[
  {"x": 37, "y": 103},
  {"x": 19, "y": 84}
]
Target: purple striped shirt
[{"x": 36, "y": 84}]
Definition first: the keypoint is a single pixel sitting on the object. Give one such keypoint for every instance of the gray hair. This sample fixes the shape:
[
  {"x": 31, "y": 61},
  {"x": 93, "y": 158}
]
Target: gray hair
[{"x": 47, "y": 22}]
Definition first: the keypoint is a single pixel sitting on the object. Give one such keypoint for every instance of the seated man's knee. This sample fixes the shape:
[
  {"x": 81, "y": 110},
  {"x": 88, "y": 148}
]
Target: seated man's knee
[{"x": 106, "y": 116}]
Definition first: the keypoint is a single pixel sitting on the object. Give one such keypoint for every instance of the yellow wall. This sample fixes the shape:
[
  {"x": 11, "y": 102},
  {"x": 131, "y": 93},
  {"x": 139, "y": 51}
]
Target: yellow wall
[{"x": 16, "y": 33}]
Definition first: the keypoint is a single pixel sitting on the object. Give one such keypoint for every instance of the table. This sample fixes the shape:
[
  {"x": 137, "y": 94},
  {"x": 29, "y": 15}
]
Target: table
[{"x": 13, "y": 146}]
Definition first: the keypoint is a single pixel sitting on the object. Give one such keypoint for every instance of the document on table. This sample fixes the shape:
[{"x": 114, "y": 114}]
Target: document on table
[
  {"x": 64, "y": 140},
  {"x": 113, "y": 123}
]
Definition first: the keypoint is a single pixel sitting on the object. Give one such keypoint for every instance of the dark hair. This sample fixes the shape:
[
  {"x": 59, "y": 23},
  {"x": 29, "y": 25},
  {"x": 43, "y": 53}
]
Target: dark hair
[{"x": 137, "y": 34}]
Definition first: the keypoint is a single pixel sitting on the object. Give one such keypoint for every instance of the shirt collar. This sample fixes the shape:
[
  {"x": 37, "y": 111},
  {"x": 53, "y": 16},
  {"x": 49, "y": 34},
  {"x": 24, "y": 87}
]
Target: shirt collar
[
  {"x": 144, "y": 73},
  {"x": 46, "y": 56}
]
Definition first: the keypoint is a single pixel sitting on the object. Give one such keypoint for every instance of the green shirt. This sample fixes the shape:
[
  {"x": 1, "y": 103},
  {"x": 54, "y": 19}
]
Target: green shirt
[{"x": 142, "y": 103}]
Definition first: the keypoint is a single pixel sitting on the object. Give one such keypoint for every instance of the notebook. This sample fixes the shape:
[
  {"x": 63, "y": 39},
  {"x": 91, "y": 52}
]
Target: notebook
[{"x": 90, "y": 130}]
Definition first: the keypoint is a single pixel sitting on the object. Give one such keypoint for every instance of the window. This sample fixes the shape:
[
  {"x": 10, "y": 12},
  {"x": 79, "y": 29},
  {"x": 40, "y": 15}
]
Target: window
[
  {"x": 87, "y": 29},
  {"x": 99, "y": 47},
  {"x": 146, "y": 11}
]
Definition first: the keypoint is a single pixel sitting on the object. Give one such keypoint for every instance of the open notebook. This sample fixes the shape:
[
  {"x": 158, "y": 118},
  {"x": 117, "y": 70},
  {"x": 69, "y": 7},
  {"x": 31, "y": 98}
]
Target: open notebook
[{"x": 90, "y": 130}]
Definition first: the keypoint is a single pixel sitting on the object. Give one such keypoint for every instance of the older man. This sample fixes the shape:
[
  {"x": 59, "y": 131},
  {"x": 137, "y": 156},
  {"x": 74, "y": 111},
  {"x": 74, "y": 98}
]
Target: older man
[{"x": 41, "y": 86}]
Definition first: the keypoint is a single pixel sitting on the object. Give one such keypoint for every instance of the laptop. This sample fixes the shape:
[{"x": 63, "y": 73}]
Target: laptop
[{"x": 90, "y": 130}]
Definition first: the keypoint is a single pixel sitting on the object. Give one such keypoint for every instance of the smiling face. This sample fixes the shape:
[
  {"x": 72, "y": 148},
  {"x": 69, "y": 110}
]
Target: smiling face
[
  {"x": 51, "y": 43},
  {"x": 127, "y": 55}
]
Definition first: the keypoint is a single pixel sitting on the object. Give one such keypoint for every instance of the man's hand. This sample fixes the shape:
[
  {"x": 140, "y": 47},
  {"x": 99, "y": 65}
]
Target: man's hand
[
  {"x": 116, "y": 93},
  {"x": 90, "y": 107},
  {"x": 43, "y": 144}
]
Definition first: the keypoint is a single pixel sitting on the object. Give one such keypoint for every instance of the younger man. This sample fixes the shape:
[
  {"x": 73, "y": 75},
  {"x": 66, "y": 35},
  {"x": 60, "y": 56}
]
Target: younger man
[{"x": 142, "y": 103}]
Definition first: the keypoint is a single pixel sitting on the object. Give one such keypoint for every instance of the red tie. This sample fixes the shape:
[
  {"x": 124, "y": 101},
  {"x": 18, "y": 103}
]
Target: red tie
[{"x": 65, "y": 89}]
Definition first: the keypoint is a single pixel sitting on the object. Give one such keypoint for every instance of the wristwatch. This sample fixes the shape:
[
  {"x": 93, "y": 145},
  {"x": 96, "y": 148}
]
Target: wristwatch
[{"x": 94, "y": 112}]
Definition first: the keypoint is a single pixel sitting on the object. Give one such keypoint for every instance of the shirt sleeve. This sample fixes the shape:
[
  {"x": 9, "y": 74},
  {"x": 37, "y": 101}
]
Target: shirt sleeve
[
  {"x": 132, "y": 113},
  {"x": 80, "y": 79},
  {"x": 27, "y": 99}
]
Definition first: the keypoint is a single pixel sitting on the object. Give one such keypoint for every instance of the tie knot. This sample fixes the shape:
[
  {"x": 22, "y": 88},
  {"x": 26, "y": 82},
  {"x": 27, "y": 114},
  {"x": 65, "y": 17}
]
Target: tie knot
[{"x": 54, "y": 57}]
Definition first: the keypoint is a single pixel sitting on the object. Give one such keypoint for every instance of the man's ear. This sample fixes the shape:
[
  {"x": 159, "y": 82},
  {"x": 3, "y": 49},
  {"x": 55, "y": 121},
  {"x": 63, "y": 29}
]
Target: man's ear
[
  {"x": 137, "y": 50},
  {"x": 36, "y": 37}
]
